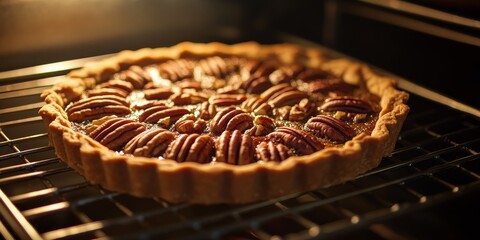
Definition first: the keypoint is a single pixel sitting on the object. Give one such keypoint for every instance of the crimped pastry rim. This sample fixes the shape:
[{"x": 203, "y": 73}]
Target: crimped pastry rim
[{"x": 220, "y": 182}]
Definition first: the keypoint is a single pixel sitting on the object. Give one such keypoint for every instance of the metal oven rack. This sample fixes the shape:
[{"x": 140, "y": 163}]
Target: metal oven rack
[{"x": 436, "y": 160}]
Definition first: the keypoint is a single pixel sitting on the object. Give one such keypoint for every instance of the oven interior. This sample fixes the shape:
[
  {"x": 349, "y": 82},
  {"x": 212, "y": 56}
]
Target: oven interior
[{"x": 426, "y": 188}]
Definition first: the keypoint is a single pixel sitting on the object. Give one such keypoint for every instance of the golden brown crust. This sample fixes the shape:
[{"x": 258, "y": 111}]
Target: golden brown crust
[{"x": 221, "y": 182}]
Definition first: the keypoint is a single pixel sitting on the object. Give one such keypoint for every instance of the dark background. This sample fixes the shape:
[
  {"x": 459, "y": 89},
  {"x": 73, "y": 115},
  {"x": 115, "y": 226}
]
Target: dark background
[{"x": 45, "y": 31}]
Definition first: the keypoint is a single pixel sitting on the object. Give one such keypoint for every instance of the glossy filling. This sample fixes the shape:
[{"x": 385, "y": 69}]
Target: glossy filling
[{"x": 223, "y": 109}]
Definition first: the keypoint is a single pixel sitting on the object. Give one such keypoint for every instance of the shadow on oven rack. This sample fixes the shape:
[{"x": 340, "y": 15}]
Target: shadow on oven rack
[{"x": 436, "y": 159}]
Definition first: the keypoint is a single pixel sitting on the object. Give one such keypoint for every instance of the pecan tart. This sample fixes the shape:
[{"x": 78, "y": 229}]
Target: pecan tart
[{"x": 215, "y": 123}]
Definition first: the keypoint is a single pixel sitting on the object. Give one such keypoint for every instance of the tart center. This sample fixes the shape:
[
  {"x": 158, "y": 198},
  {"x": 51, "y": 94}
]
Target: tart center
[{"x": 223, "y": 109}]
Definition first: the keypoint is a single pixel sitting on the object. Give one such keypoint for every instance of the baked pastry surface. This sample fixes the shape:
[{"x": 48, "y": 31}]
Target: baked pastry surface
[{"x": 215, "y": 123}]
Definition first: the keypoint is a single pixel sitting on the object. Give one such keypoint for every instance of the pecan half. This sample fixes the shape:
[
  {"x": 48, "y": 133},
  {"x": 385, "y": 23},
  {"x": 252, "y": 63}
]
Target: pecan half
[
  {"x": 287, "y": 98},
  {"x": 272, "y": 152},
  {"x": 207, "y": 111},
  {"x": 282, "y": 113},
  {"x": 151, "y": 143},
  {"x": 302, "y": 110},
  {"x": 257, "y": 105},
  {"x": 346, "y": 104},
  {"x": 286, "y": 74},
  {"x": 282, "y": 95},
  {"x": 231, "y": 118},
  {"x": 255, "y": 69},
  {"x": 190, "y": 148},
  {"x": 176, "y": 70},
  {"x": 149, "y": 111},
  {"x": 256, "y": 84},
  {"x": 158, "y": 83},
  {"x": 118, "y": 84},
  {"x": 107, "y": 91},
  {"x": 234, "y": 148},
  {"x": 190, "y": 84},
  {"x": 116, "y": 132},
  {"x": 277, "y": 90},
  {"x": 188, "y": 97},
  {"x": 156, "y": 113},
  {"x": 231, "y": 89},
  {"x": 148, "y": 104},
  {"x": 331, "y": 128},
  {"x": 158, "y": 93},
  {"x": 263, "y": 126},
  {"x": 189, "y": 124},
  {"x": 216, "y": 66},
  {"x": 311, "y": 74},
  {"x": 227, "y": 99},
  {"x": 301, "y": 141},
  {"x": 135, "y": 75},
  {"x": 112, "y": 87},
  {"x": 264, "y": 121},
  {"x": 97, "y": 107},
  {"x": 326, "y": 86}
]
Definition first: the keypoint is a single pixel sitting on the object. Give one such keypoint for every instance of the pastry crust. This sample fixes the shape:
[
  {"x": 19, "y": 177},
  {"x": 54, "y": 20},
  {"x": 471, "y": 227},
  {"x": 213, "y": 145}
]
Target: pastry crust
[{"x": 221, "y": 182}]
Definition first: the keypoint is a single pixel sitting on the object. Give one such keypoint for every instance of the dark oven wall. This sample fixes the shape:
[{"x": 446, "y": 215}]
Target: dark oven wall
[
  {"x": 41, "y": 31},
  {"x": 45, "y": 31},
  {"x": 376, "y": 35}
]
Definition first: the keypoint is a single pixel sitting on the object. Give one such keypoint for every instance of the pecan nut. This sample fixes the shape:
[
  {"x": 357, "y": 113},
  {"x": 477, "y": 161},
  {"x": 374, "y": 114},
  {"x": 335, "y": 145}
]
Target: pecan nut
[
  {"x": 207, "y": 111},
  {"x": 116, "y": 132},
  {"x": 311, "y": 74},
  {"x": 113, "y": 87},
  {"x": 190, "y": 148},
  {"x": 190, "y": 84},
  {"x": 332, "y": 85},
  {"x": 256, "y": 85},
  {"x": 277, "y": 90},
  {"x": 230, "y": 89},
  {"x": 97, "y": 107},
  {"x": 150, "y": 110},
  {"x": 227, "y": 99},
  {"x": 135, "y": 75},
  {"x": 285, "y": 74},
  {"x": 288, "y": 98},
  {"x": 158, "y": 93},
  {"x": 216, "y": 66},
  {"x": 118, "y": 84},
  {"x": 107, "y": 91},
  {"x": 272, "y": 152},
  {"x": 188, "y": 97},
  {"x": 151, "y": 143},
  {"x": 176, "y": 70},
  {"x": 263, "y": 126},
  {"x": 189, "y": 124},
  {"x": 282, "y": 113},
  {"x": 264, "y": 121},
  {"x": 346, "y": 104},
  {"x": 234, "y": 148},
  {"x": 147, "y": 104},
  {"x": 282, "y": 95},
  {"x": 331, "y": 128},
  {"x": 156, "y": 113},
  {"x": 249, "y": 67},
  {"x": 302, "y": 110},
  {"x": 231, "y": 118},
  {"x": 301, "y": 141},
  {"x": 257, "y": 105}
]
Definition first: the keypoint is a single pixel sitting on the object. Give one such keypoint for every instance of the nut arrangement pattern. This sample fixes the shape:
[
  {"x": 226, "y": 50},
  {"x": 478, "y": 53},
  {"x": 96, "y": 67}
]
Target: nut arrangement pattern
[{"x": 223, "y": 109}]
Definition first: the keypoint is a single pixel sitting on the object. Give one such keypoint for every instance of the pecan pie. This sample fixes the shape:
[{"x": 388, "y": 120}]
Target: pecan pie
[{"x": 215, "y": 123}]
